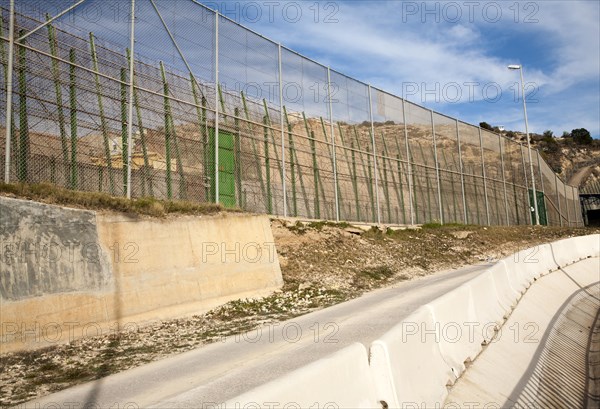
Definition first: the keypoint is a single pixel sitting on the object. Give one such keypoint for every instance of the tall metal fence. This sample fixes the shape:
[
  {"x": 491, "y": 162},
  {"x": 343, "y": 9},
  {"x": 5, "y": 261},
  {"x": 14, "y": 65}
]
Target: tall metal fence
[{"x": 216, "y": 112}]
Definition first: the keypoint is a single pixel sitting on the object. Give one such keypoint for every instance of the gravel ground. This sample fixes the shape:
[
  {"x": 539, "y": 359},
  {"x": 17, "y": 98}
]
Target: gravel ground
[{"x": 322, "y": 264}]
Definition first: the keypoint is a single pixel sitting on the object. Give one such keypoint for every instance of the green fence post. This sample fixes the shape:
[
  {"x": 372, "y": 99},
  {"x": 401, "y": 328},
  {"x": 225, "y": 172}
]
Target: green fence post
[
  {"x": 401, "y": 188},
  {"x": 267, "y": 165},
  {"x": 13, "y": 127},
  {"x": 168, "y": 134},
  {"x": 386, "y": 189},
  {"x": 182, "y": 185},
  {"x": 237, "y": 160},
  {"x": 428, "y": 183},
  {"x": 455, "y": 204},
  {"x": 103, "y": 124},
  {"x": 400, "y": 178},
  {"x": 411, "y": 160},
  {"x": 370, "y": 184},
  {"x": 514, "y": 184},
  {"x": 124, "y": 147},
  {"x": 73, "y": 101},
  {"x": 201, "y": 113},
  {"x": 339, "y": 192},
  {"x": 142, "y": 130},
  {"x": 172, "y": 138},
  {"x": 365, "y": 174},
  {"x": 292, "y": 165},
  {"x": 497, "y": 205},
  {"x": 58, "y": 92},
  {"x": 476, "y": 194},
  {"x": 294, "y": 156},
  {"x": 254, "y": 149},
  {"x": 387, "y": 155},
  {"x": 316, "y": 173},
  {"x": 270, "y": 129},
  {"x": 23, "y": 155},
  {"x": 352, "y": 170}
]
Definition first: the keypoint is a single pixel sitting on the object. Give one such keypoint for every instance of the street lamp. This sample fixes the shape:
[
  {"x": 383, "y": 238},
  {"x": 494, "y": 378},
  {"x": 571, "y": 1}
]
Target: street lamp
[{"x": 535, "y": 204}]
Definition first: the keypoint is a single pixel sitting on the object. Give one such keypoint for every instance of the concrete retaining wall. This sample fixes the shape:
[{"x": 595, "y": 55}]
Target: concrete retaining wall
[{"x": 67, "y": 273}]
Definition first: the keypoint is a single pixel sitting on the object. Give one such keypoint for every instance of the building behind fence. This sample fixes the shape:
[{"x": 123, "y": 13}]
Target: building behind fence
[{"x": 279, "y": 134}]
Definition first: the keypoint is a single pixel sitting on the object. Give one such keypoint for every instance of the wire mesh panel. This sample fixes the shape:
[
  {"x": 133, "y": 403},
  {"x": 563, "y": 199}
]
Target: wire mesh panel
[
  {"x": 250, "y": 156},
  {"x": 174, "y": 102},
  {"x": 215, "y": 112},
  {"x": 495, "y": 182},
  {"x": 528, "y": 182},
  {"x": 574, "y": 206},
  {"x": 564, "y": 203},
  {"x": 309, "y": 172},
  {"x": 3, "y": 85},
  {"x": 470, "y": 148},
  {"x": 579, "y": 207},
  {"x": 422, "y": 158},
  {"x": 449, "y": 165},
  {"x": 354, "y": 149},
  {"x": 550, "y": 194},
  {"x": 533, "y": 178},
  {"x": 516, "y": 182},
  {"x": 393, "y": 170},
  {"x": 59, "y": 136}
]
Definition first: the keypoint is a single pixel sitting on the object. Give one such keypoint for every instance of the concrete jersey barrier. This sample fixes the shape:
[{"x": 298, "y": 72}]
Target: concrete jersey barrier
[
  {"x": 414, "y": 371},
  {"x": 341, "y": 380},
  {"x": 412, "y": 364},
  {"x": 407, "y": 365}
]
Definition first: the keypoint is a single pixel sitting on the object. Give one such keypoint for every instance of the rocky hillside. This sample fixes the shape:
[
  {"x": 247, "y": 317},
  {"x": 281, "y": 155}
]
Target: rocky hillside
[{"x": 567, "y": 157}]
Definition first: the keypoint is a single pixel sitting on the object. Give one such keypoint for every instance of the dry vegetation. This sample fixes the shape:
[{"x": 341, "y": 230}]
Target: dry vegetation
[{"x": 51, "y": 194}]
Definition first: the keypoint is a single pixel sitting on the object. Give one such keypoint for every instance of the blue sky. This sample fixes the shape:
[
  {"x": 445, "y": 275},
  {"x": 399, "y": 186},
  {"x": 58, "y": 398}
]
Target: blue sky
[
  {"x": 452, "y": 56},
  {"x": 448, "y": 56}
]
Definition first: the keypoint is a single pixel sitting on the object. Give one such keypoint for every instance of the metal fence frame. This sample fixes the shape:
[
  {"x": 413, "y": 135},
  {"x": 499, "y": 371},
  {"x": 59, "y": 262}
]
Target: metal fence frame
[{"x": 481, "y": 184}]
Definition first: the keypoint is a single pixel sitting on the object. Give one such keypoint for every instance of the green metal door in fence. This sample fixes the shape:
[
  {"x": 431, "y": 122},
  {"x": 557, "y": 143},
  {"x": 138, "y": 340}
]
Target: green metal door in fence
[
  {"x": 226, "y": 167},
  {"x": 541, "y": 203}
]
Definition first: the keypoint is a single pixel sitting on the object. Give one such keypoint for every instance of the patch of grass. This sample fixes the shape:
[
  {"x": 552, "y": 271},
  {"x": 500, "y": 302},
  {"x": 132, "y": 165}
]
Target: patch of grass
[
  {"x": 49, "y": 366},
  {"x": 374, "y": 233},
  {"x": 298, "y": 228},
  {"x": 377, "y": 273},
  {"x": 435, "y": 225},
  {"x": 75, "y": 374},
  {"x": 51, "y": 194},
  {"x": 318, "y": 225},
  {"x": 301, "y": 228}
]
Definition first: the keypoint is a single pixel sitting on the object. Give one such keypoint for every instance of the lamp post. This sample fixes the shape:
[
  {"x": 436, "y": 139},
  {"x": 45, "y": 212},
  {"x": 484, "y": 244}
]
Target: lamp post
[{"x": 535, "y": 204}]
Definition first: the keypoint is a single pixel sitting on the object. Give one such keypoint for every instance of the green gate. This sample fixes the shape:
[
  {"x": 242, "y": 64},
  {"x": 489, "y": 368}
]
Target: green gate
[
  {"x": 226, "y": 167},
  {"x": 541, "y": 203}
]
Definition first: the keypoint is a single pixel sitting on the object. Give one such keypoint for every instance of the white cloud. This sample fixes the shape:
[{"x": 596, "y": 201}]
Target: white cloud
[{"x": 372, "y": 42}]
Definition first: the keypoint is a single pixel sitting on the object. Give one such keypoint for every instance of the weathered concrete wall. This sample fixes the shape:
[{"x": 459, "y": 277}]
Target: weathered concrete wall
[
  {"x": 119, "y": 270},
  {"x": 47, "y": 251}
]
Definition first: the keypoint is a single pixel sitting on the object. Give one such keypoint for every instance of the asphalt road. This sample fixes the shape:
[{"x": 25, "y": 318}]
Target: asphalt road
[{"x": 208, "y": 376}]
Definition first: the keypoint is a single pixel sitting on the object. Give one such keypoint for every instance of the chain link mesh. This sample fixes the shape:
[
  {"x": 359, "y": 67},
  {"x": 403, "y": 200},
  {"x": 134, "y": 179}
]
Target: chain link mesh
[{"x": 294, "y": 137}]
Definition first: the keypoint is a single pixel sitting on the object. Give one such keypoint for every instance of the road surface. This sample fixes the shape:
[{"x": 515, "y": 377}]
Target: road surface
[{"x": 214, "y": 373}]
